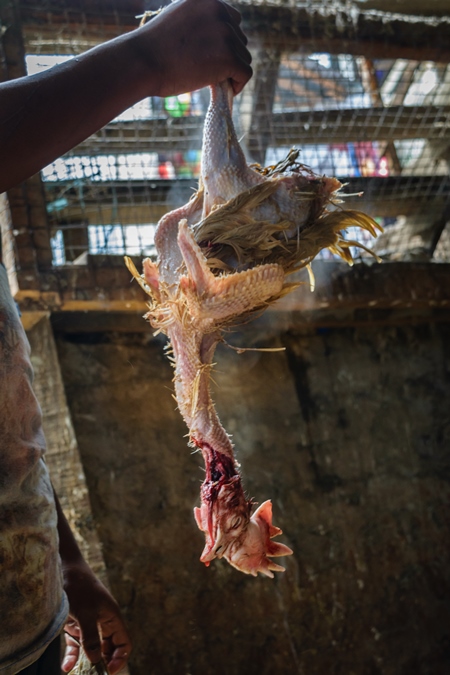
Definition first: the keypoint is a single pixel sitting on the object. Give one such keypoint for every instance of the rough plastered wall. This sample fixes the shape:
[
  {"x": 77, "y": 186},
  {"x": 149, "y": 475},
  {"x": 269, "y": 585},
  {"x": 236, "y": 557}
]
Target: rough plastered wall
[
  {"x": 348, "y": 431},
  {"x": 62, "y": 456}
]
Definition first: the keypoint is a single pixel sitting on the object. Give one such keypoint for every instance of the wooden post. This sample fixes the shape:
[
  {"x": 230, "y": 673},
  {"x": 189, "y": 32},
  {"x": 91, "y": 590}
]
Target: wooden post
[
  {"x": 370, "y": 84},
  {"x": 75, "y": 237},
  {"x": 260, "y": 104}
]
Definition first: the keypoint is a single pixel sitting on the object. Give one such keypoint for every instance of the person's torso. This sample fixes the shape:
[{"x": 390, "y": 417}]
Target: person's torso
[{"x": 33, "y": 604}]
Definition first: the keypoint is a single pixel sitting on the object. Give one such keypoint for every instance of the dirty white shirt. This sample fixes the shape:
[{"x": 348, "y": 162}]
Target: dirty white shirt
[{"x": 33, "y": 605}]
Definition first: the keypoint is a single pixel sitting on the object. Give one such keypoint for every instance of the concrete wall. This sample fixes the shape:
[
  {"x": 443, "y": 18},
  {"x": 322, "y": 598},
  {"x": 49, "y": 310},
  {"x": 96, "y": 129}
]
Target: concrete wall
[
  {"x": 348, "y": 431},
  {"x": 62, "y": 457}
]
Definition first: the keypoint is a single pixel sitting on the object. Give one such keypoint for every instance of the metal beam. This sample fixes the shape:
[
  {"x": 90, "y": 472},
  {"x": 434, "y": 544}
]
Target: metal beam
[
  {"x": 141, "y": 202},
  {"x": 277, "y": 129},
  {"x": 308, "y": 28},
  {"x": 152, "y": 135},
  {"x": 342, "y": 29},
  {"x": 366, "y": 124}
]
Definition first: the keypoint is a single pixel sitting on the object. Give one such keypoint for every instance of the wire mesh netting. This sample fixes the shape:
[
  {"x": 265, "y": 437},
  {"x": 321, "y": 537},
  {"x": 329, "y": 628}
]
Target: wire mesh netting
[{"x": 379, "y": 124}]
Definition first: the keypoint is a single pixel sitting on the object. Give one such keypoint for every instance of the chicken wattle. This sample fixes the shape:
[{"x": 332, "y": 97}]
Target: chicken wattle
[{"x": 224, "y": 255}]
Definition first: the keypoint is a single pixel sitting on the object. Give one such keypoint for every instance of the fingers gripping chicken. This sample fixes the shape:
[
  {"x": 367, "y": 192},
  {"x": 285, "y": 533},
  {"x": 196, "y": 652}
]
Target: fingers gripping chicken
[{"x": 222, "y": 256}]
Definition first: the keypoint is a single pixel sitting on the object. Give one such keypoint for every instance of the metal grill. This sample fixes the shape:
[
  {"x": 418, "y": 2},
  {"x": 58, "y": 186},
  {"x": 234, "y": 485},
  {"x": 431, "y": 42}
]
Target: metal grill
[{"x": 376, "y": 117}]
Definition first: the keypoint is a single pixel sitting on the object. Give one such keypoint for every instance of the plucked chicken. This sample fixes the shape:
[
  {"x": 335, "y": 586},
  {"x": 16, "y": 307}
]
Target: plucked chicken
[{"x": 225, "y": 255}]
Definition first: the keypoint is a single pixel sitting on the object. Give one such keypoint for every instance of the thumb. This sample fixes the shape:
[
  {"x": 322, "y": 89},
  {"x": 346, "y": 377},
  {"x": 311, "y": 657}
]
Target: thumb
[{"x": 90, "y": 640}]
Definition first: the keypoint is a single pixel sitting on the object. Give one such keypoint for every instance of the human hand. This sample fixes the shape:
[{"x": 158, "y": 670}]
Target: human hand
[
  {"x": 192, "y": 44},
  {"x": 94, "y": 621}
]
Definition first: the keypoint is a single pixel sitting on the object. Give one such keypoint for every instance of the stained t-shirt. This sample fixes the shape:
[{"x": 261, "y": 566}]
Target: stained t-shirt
[{"x": 33, "y": 605}]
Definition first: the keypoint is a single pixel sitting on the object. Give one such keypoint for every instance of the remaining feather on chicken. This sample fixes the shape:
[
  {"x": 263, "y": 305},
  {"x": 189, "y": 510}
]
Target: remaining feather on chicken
[{"x": 222, "y": 256}]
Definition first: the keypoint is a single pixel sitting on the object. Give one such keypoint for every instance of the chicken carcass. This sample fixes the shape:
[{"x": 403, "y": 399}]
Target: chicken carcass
[{"x": 223, "y": 256}]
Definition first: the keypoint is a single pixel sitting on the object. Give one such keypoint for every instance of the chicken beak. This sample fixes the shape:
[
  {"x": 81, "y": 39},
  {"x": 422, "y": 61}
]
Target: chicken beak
[
  {"x": 215, "y": 543},
  {"x": 213, "y": 550}
]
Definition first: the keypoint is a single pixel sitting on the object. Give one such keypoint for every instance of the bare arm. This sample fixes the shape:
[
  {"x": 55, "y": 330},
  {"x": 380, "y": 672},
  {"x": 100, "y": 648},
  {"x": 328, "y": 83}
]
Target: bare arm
[
  {"x": 191, "y": 44},
  {"x": 94, "y": 619}
]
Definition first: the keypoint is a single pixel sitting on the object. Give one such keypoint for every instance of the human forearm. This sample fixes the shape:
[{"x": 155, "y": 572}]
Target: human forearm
[
  {"x": 44, "y": 115},
  {"x": 189, "y": 45},
  {"x": 69, "y": 550},
  {"x": 94, "y": 621}
]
